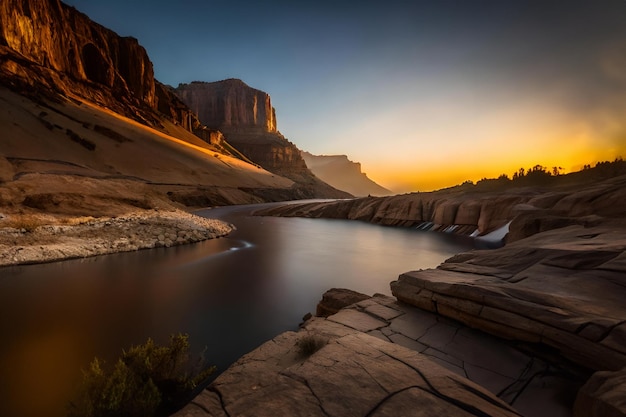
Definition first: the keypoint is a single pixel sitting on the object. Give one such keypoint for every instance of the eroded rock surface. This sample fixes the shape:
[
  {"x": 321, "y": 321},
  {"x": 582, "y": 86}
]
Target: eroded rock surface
[
  {"x": 246, "y": 117},
  {"x": 563, "y": 288},
  {"x": 48, "y": 47},
  {"x": 466, "y": 211},
  {"x": 379, "y": 357},
  {"x": 335, "y": 299},
  {"x": 604, "y": 395}
]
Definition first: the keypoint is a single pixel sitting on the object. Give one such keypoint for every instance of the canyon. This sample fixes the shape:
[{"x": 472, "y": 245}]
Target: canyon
[{"x": 79, "y": 103}]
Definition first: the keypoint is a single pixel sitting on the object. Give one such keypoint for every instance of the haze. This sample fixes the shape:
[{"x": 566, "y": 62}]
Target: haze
[{"x": 423, "y": 94}]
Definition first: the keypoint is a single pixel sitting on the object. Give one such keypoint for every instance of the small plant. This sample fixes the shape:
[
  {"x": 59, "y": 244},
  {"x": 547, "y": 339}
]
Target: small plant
[
  {"x": 147, "y": 380},
  {"x": 309, "y": 344}
]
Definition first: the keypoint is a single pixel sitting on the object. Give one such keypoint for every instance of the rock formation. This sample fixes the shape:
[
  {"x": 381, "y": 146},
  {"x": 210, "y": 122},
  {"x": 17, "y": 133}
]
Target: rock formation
[
  {"x": 74, "y": 85},
  {"x": 343, "y": 174},
  {"x": 468, "y": 211},
  {"x": 48, "y": 47},
  {"x": 248, "y": 120},
  {"x": 230, "y": 105},
  {"x": 562, "y": 288},
  {"x": 604, "y": 395},
  {"x": 378, "y": 357}
]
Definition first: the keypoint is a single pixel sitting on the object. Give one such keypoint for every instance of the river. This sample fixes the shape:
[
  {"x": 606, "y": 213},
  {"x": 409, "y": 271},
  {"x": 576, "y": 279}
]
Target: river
[{"x": 229, "y": 294}]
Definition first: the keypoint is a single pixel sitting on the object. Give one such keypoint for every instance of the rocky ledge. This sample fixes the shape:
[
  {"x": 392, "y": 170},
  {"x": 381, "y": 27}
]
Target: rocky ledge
[
  {"x": 27, "y": 242},
  {"x": 563, "y": 289},
  {"x": 379, "y": 357}
]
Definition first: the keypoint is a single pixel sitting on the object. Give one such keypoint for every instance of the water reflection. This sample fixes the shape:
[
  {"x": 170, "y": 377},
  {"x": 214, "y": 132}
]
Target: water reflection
[{"x": 229, "y": 294}]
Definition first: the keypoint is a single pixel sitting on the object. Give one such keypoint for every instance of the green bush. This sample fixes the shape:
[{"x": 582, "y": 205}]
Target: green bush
[{"x": 147, "y": 380}]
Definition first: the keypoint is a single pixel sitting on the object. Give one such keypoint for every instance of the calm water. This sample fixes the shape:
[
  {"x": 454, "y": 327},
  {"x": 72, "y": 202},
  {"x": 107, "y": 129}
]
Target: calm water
[{"x": 229, "y": 294}]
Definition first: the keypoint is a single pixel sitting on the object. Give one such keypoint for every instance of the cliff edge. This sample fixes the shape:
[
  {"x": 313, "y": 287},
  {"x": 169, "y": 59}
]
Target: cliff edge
[
  {"x": 246, "y": 117},
  {"x": 343, "y": 174}
]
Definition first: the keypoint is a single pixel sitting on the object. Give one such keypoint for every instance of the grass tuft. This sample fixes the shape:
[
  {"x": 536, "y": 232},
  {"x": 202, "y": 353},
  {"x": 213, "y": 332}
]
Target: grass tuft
[{"x": 309, "y": 344}]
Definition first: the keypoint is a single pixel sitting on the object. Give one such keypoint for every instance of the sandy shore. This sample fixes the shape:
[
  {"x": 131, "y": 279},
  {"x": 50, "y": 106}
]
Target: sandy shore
[{"x": 37, "y": 240}]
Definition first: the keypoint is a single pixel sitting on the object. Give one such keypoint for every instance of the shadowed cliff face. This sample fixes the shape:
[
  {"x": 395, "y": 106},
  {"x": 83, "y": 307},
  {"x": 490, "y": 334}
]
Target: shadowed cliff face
[
  {"x": 248, "y": 121},
  {"x": 47, "y": 46}
]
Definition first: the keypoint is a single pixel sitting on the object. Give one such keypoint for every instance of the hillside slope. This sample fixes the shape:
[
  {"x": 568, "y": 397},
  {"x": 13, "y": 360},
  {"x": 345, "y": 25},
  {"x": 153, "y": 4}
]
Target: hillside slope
[{"x": 87, "y": 129}]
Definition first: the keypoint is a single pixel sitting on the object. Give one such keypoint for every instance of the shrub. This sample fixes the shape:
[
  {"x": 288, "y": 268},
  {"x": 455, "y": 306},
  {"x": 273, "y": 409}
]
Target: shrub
[
  {"x": 147, "y": 380},
  {"x": 309, "y": 344}
]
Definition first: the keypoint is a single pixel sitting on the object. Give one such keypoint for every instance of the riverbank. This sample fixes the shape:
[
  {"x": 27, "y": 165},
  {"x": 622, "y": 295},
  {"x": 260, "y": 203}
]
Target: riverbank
[{"x": 28, "y": 239}]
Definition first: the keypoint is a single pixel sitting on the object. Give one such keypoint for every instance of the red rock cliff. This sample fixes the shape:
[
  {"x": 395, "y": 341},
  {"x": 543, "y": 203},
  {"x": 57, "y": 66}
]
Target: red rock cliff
[
  {"x": 47, "y": 46},
  {"x": 248, "y": 121},
  {"x": 230, "y": 105}
]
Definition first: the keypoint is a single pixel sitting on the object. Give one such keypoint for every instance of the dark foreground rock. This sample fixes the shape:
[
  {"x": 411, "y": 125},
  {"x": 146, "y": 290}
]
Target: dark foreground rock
[{"x": 604, "y": 395}]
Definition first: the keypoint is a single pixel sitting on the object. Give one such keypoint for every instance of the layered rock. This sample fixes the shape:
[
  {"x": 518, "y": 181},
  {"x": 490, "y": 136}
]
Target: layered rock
[
  {"x": 47, "y": 47},
  {"x": 380, "y": 357},
  {"x": 343, "y": 174},
  {"x": 604, "y": 395},
  {"x": 230, "y": 105},
  {"x": 247, "y": 119},
  {"x": 562, "y": 288},
  {"x": 466, "y": 211}
]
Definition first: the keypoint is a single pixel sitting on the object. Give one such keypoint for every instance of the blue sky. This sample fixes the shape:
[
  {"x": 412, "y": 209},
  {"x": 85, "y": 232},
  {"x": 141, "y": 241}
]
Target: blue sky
[{"x": 423, "y": 94}]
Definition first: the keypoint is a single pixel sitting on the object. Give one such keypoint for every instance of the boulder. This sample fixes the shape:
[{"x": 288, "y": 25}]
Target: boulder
[{"x": 335, "y": 299}]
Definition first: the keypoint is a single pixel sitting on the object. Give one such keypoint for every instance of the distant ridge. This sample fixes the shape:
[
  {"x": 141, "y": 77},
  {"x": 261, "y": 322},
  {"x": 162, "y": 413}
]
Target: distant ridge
[{"x": 343, "y": 174}]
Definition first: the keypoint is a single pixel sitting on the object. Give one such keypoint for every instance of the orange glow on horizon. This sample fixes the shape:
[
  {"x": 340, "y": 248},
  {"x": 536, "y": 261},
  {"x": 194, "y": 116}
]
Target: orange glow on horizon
[{"x": 438, "y": 174}]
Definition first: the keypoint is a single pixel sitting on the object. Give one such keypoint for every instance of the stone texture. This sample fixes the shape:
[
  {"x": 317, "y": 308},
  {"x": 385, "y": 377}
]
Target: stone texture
[
  {"x": 471, "y": 211},
  {"x": 90, "y": 237},
  {"x": 359, "y": 374},
  {"x": 230, "y": 105},
  {"x": 604, "y": 395},
  {"x": 335, "y": 299},
  {"x": 562, "y": 288},
  {"x": 354, "y": 375},
  {"x": 50, "y": 47}
]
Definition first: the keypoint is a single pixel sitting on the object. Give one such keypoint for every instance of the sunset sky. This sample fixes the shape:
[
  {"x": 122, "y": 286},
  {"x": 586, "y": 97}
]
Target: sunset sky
[{"x": 425, "y": 94}]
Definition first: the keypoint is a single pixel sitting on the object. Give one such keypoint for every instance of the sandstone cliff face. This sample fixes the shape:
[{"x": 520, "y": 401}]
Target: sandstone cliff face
[
  {"x": 248, "y": 121},
  {"x": 230, "y": 105},
  {"x": 58, "y": 37},
  {"x": 343, "y": 174},
  {"x": 47, "y": 46}
]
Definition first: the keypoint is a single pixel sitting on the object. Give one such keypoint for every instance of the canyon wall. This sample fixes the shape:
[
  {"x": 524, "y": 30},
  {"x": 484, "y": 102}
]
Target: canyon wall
[
  {"x": 248, "y": 120},
  {"x": 230, "y": 105},
  {"x": 48, "y": 47},
  {"x": 343, "y": 174}
]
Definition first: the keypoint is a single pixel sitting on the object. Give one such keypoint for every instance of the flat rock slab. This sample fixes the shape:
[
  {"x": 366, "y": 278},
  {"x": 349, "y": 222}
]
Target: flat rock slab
[
  {"x": 362, "y": 322},
  {"x": 352, "y": 375},
  {"x": 380, "y": 371}
]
